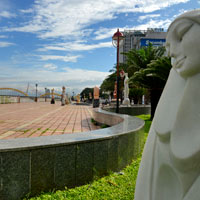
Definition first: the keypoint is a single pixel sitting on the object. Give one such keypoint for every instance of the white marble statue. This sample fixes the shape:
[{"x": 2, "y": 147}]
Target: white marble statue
[
  {"x": 170, "y": 167},
  {"x": 63, "y": 98},
  {"x": 126, "y": 100}
]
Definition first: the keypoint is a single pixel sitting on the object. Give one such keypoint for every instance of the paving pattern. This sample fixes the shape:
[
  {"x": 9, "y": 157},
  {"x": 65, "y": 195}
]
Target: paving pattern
[{"x": 42, "y": 118}]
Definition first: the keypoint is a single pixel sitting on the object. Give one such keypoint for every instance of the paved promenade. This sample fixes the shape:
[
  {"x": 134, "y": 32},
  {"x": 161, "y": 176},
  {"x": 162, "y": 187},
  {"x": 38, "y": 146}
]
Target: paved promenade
[{"x": 42, "y": 118}]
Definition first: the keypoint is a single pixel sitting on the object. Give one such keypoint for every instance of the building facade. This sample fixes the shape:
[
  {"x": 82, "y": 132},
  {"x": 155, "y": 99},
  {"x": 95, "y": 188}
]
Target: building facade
[{"x": 136, "y": 39}]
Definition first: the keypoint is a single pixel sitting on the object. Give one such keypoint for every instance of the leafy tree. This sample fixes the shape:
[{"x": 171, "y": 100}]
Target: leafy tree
[
  {"x": 109, "y": 83},
  {"x": 136, "y": 94},
  {"x": 86, "y": 91},
  {"x": 104, "y": 95}
]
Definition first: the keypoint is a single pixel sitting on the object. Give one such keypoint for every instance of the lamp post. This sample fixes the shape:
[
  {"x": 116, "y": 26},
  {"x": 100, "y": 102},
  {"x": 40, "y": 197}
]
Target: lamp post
[
  {"x": 45, "y": 94},
  {"x": 73, "y": 96},
  {"x": 36, "y": 92},
  {"x": 117, "y": 40}
]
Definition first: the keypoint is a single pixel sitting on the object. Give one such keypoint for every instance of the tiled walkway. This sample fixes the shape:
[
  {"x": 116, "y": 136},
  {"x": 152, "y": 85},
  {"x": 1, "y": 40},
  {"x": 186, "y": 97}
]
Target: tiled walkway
[{"x": 40, "y": 119}]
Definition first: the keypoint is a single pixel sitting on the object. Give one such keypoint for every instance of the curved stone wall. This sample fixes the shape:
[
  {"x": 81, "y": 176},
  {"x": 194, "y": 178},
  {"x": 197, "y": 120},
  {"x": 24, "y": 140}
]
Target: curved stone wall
[
  {"x": 133, "y": 110},
  {"x": 32, "y": 165}
]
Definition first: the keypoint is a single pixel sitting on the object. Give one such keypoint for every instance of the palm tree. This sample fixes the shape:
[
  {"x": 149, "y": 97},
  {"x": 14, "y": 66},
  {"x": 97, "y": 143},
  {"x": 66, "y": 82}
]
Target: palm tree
[
  {"x": 159, "y": 69},
  {"x": 136, "y": 66},
  {"x": 147, "y": 69},
  {"x": 154, "y": 78},
  {"x": 139, "y": 59}
]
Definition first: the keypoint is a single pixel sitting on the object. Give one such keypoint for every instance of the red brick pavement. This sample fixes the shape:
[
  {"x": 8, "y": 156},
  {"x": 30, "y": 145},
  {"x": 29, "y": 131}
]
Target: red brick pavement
[{"x": 41, "y": 118}]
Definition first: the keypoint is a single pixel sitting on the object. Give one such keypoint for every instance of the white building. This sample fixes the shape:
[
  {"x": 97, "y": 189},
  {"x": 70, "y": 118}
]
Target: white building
[{"x": 135, "y": 39}]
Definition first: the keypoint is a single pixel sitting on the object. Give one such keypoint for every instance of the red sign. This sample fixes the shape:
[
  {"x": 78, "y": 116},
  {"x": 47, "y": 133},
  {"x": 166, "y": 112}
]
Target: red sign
[
  {"x": 115, "y": 90},
  {"x": 96, "y": 93}
]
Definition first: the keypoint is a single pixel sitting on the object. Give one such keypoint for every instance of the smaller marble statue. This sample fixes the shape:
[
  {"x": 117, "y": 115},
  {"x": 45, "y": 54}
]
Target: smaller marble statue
[
  {"x": 63, "y": 98},
  {"x": 52, "y": 96},
  {"x": 126, "y": 100},
  {"x": 132, "y": 102}
]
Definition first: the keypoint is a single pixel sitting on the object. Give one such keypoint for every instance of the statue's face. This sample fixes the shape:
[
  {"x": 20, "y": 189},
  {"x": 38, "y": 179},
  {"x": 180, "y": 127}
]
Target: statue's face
[{"x": 183, "y": 46}]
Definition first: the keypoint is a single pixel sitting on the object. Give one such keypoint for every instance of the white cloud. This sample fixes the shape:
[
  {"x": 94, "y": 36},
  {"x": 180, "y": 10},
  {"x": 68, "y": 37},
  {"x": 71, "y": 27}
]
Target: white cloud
[
  {"x": 73, "y": 79},
  {"x": 66, "y": 18},
  {"x": 50, "y": 66},
  {"x": 30, "y": 10},
  {"x": 153, "y": 24},
  {"x": 141, "y": 18},
  {"x": 75, "y": 46},
  {"x": 3, "y": 36},
  {"x": 6, "y": 44},
  {"x": 5, "y": 9},
  {"x": 104, "y": 33},
  {"x": 181, "y": 11},
  {"x": 82, "y": 75},
  {"x": 7, "y": 14},
  {"x": 63, "y": 58}
]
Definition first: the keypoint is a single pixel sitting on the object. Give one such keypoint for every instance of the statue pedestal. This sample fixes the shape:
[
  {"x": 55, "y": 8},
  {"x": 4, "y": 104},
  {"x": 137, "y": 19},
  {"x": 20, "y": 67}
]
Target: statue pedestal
[
  {"x": 95, "y": 103},
  {"x": 126, "y": 102},
  {"x": 63, "y": 102}
]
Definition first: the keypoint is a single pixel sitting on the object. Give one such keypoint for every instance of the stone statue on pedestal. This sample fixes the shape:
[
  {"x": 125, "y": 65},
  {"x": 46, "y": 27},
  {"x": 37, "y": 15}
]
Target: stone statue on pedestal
[
  {"x": 170, "y": 166},
  {"x": 78, "y": 98},
  {"x": 52, "y": 96},
  {"x": 63, "y": 98},
  {"x": 126, "y": 100}
]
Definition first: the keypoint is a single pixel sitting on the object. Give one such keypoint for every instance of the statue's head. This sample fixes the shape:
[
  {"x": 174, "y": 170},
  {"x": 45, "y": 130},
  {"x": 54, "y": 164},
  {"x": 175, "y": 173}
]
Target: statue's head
[{"x": 183, "y": 43}]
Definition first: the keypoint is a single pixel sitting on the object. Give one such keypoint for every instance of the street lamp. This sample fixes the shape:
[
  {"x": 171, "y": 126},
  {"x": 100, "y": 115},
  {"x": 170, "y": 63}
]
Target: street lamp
[
  {"x": 117, "y": 40},
  {"x": 45, "y": 97},
  {"x": 36, "y": 92}
]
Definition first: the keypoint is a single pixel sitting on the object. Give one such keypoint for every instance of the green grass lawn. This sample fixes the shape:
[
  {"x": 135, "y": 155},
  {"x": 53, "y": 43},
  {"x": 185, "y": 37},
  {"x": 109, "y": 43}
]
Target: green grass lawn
[{"x": 115, "y": 186}]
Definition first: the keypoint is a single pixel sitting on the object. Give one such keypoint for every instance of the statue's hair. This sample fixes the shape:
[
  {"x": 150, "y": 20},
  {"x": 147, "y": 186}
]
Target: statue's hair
[{"x": 193, "y": 15}]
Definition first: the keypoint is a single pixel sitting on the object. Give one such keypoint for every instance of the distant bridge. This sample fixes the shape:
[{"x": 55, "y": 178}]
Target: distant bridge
[
  {"x": 16, "y": 90},
  {"x": 50, "y": 94}
]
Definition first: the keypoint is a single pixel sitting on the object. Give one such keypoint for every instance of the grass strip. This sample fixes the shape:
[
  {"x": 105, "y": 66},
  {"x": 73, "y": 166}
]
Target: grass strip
[{"x": 115, "y": 186}]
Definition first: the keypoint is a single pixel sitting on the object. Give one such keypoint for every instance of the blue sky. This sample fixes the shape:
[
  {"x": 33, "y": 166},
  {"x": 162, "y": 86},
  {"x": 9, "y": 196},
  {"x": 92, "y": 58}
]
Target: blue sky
[{"x": 68, "y": 42}]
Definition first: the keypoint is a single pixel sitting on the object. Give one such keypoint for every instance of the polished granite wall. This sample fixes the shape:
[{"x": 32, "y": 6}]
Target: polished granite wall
[
  {"x": 53, "y": 162},
  {"x": 133, "y": 110}
]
